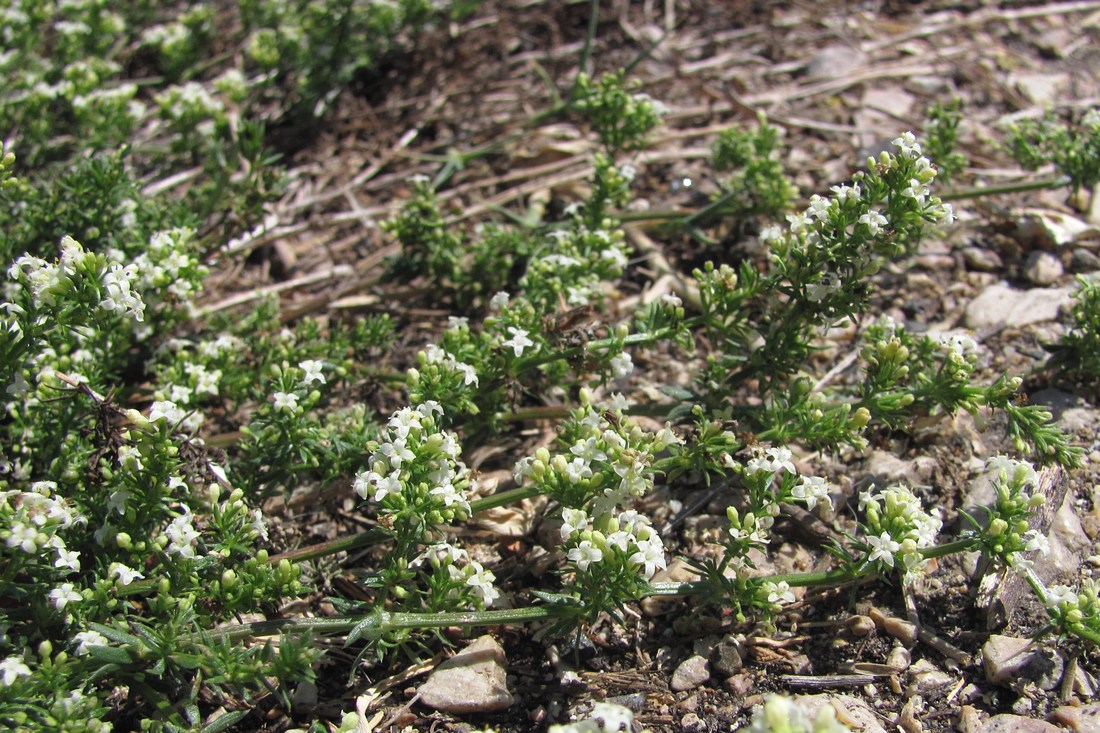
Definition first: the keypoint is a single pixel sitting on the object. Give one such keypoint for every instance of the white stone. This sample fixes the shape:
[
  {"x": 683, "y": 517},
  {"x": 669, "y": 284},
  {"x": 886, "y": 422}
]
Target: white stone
[
  {"x": 1000, "y": 304},
  {"x": 472, "y": 681}
]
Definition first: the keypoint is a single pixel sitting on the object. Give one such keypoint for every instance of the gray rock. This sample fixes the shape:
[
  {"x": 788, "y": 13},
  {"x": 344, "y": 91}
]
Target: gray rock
[
  {"x": 726, "y": 658},
  {"x": 1014, "y": 662},
  {"x": 1040, "y": 88},
  {"x": 1006, "y": 723},
  {"x": 691, "y": 673},
  {"x": 834, "y": 62},
  {"x": 472, "y": 681},
  {"x": 926, "y": 677},
  {"x": 1043, "y": 268},
  {"x": 982, "y": 260},
  {"x": 1000, "y": 304},
  {"x": 886, "y": 467},
  {"x": 1083, "y": 260}
]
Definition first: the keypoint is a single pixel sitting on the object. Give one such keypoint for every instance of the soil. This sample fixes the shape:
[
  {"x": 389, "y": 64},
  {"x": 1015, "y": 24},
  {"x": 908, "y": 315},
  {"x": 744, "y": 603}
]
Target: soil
[{"x": 840, "y": 80}]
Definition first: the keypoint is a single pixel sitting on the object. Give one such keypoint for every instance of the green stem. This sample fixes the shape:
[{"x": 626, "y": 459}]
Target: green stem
[{"x": 979, "y": 191}]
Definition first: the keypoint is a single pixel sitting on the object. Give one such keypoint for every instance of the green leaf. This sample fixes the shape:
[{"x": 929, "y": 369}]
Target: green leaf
[{"x": 222, "y": 723}]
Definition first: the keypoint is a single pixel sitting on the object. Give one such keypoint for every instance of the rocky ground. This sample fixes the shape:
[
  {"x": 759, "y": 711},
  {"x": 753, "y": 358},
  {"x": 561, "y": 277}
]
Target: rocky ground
[{"x": 839, "y": 79}]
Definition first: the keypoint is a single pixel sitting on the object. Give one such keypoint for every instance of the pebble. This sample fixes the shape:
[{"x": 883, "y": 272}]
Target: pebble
[
  {"x": 1043, "y": 268},
  {"x": 861, "y": 625},
  {"x": 740, "y": 684},
  {"x": 898, "y": 659},
  {"x": 678, "y": 571},
  {"x": 834, "y": 62},
  {"x": 1013, "y": 661},
  {"x": 850, "y": 711},
  {"x": 1083, "y": 261},
  {"x": 1006, "y": 723},
  {"x": 902, "y": 630},
  {"x": 691, "y": 673},
  {"x": 1085, "y": 718},
  {"x": 725, "y": 659},
  {"x": 692, "y": 723},
  {"x": 472, "y": 681},
  {"x": 1000, "y": 304},
  {"x": 982, "y": 259},
  {"x": 926, "y": 677}
]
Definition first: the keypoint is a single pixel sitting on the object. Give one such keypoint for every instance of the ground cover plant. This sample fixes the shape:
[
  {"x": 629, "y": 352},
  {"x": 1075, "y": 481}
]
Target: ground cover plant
[{"x": 545, "y": 414}]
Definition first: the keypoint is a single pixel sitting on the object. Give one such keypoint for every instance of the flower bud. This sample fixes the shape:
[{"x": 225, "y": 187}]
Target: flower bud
[
  {"x": 123, "y": 541},
  {"x": 229, "y": 579},
  {"x": 997, "y": 527},
  {"x": 412, "y": 377}
]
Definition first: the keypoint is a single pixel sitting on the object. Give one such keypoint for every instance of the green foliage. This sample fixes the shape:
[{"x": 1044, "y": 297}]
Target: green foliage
[
  {"x": 941, "y": 139},
  {"x": 1077, "y": 356},
  {"x": 757, "y": 185},
  {"x": 621, "y": 116},
  {"x": 1072, "y": 145}
]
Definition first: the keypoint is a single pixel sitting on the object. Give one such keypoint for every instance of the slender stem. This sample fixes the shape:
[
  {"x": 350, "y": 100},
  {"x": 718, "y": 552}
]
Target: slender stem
[{"x": 979, "y": 191}]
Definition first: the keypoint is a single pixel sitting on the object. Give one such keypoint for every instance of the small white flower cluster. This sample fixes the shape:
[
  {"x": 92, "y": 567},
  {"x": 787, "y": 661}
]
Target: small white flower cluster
[
  {"x": 191, "y": 105},
  {"x": 416, "y": 459},
  {"x": 1008, "y": 533},
  {"x": 771, "y": 461},
  {"x": 170, "y": 265},
  {"x": 461, "y": 569},
  {"x": 897, "y": 524},
  {"x": 47, "y": 281},
  {"x": 1081, "y": 606},
  {"x": 606, "y": 466},
  {"x": 575, "y": 263},
  {"x": 435, "y": 356},
  {"x": 31, "y": 522},
  {"x": 605, "y": 717}
]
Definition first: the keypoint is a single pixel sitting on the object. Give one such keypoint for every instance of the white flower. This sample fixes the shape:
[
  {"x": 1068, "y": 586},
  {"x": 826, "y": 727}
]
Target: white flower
[
  {"x": 482, "y": 583},
  {"x": 650, "y": 554},
  {"x": 519, "y": 340},
  {"x": 584, "y": 554},
  {"x": 86, "y": 639},
  {"x": 907, "y": 145},
  {"x": 12, "y": 669},
  {"x": 779, "y": 592},
  {"x": 64, "y": 594},
  {"x": 23, "y": 536},
  {"x": 947, "y": 216},
  {"x": 67, "y": 559},
  {"x": 589, "y": 450},
  {"x": 312, "y": 368},
  {"x": 125, "y": 574},
  {"x": 1036, "y": 542},
  {"x": 258, "y": 524},
  {"x": 621, "y": 365},
  {"x": 181, "y": 535},
  {"x": 874, "y": 222},
  {"x": 458, "y": 323},
  {"x": 573, "y": 520},
  {"x": 811, "y": 489},
  {"x": 167, "y": 411},
  {"x": 577, "y": 470},
  {"x": 770, "y": 461},
  {"x": 498, "y": 301},
  {"x": 1061, "y": 594},
  {"x": 286, "y": 401},
  {"x": 916, "y": 191},
  {"x": 884, "y": 548}
]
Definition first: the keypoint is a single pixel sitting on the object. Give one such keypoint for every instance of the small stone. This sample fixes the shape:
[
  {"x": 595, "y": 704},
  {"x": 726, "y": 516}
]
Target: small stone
[
  {"x": 834, "y": 62},
  {"x": 691, "y": 673},
  {"x": 1006, "y": 723},
  {"x": 1000, "y": 304},
  {"x": 899, "y": 659},
  {"x": 1083, "y": 260},
  {"x": 861, "y": 625},
  {"x": 305, "y": 696},
  {"x": 1012, "y": 661},
  {"x": 691, "y": 723},
  {"x": 902, "y": 630},
  {"x": 926, "y": 677},
  {"x": 1085, "y": 718},
  {"x": 850, "y": 711},
  {"x": 1043, "y": 268},
  {"x": 1040, "y": 88},
  {"x": 740, "y": 684},
  {"x": 970, "y": 720},
  {"x": 472, "y": 681},
  {"x": 726, "y": 658},
  {"x": 678, "y": 571},
  {"x": 982, "y": 259}
]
